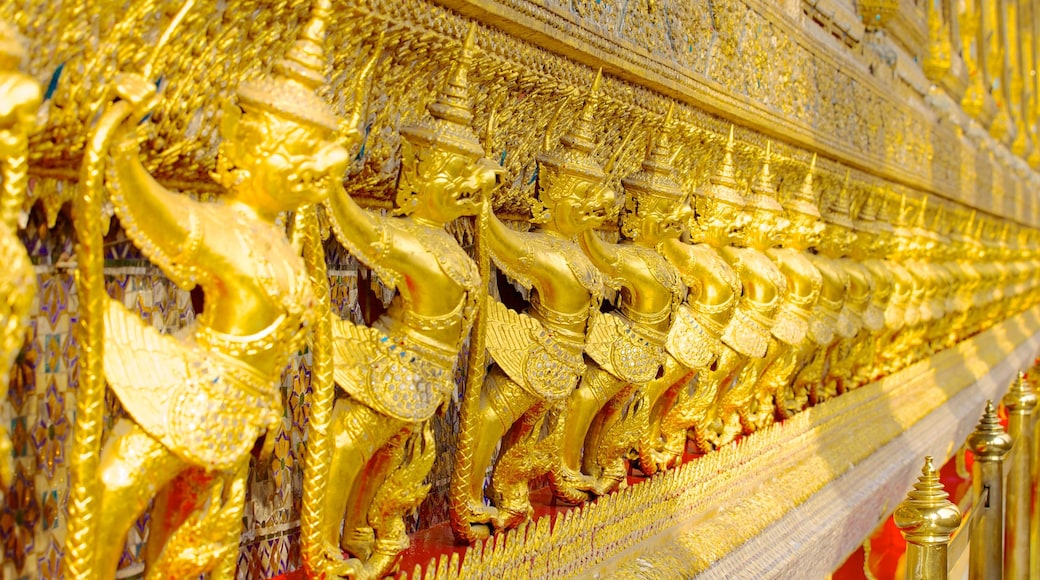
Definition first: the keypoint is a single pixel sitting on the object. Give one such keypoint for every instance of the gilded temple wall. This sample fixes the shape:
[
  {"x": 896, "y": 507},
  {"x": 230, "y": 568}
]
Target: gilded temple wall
[{"x": 804, "y": 75}]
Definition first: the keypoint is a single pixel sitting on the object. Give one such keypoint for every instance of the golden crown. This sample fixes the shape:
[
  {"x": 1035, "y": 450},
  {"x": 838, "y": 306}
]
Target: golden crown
[
  {"x": 290, "y": 91},
  {"x": 447, "y": 126}
]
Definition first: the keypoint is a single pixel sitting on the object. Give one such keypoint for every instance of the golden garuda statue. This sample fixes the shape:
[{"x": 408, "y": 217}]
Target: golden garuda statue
[
  {"x": 765, "y": 290},
  {"x": 899, "y": 312},
  {"x": 804, "y": 282},
  {"x": 20, "y": 97},
  {"x": 859, "y": 318},
  {"x": 714, "y": 297},
  {"x": 830, "y": 321},
  {"x": 868, "y": 249},
  {"x": 398, "y": 372},
  {"x": 198, "y": 403},
  {"x": 650, "y": 293},
  {"x": 538, "y": 355}
]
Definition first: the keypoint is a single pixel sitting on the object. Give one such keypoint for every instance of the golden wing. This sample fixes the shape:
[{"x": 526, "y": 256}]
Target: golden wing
[
  {"x": 388, "y": 375},
  {"x": 143, "y": 367},
  {"x": 688, "y": 342},
  {"x": 620, "y": 351},
  {"x": 529, "y": 355},
  {"x": 352, "y": 351}
]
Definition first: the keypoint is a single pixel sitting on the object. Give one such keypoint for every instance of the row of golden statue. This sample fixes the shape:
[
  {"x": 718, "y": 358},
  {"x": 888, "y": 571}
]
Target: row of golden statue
[{"x": 732, "y": 311}]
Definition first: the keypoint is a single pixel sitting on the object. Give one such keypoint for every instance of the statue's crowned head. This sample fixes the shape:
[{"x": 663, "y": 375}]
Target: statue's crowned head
[
  {"x": 718, "y": 205},
  {"x": 803, "y": 213},
  {"x": 766, "y": 216},
  {"x": 442, "y": 172},
  {"x": 656, "y": 208},
  {"x": 278, "y": 142},
  {"x": 572, "y": 193}
]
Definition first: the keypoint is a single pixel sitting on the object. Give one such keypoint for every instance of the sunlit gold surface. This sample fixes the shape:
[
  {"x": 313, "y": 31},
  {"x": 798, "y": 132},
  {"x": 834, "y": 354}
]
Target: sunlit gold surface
[
  {"x": 1020, "y": 401},
  {"x": 990, "y": 444}
]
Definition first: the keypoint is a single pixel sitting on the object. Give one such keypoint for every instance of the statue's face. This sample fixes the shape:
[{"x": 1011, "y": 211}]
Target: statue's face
[
  {"x": 287, "y": 164},
  {"x": 719, "y": 221},
  {"x": 442, "y": 185},
  {"x": 865, "y": 242},
  {"x": 836, "y": 240},
  {"x": 576, "y": 204},
  {"x": 764, "y": 228},
  {"x": 660, "y": 219},
  {"x": 803, "y": 230}
]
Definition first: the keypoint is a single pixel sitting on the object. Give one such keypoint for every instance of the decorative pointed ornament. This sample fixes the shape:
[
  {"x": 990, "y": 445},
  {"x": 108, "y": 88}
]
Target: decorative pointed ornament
[
  {"x": 763, "y": 190},
  {"x": 839, "y": 208},
  {"x": 804, "y": 199},
  {"x": 573, "y": 156},
  {"x": 723, "y": 185},
  {"x": 656, "y": 177},
  {"x": 448, "y": 125},
  {"x": 290, "y": 92}
]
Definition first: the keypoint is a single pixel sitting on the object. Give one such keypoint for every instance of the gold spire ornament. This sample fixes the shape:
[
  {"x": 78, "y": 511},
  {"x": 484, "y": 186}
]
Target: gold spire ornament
[
  {"x": 20, "y": 96},
  {"x": 201, "y": 402}
]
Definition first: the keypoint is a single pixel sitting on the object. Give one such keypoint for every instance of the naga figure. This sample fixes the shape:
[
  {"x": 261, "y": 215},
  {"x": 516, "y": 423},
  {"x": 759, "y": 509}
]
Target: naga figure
[
  {"x": 538, "y": 355},
  {"x": 765, "y": 288},
  {"x": 398, "y": 372},
  {"x": 804, "y": 282},
  {"x": 199, "y": 403},
  {"x": 650, "y": 292},
  {"x": 830, "y": 321},
  {"x": 702, "y": 351},
  {"x": 20, "y": 96}
]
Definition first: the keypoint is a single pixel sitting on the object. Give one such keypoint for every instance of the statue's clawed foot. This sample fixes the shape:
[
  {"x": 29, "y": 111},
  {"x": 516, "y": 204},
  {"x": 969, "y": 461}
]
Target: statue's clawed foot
[
  {"x": 512, "y": 514},
  {"x": 359, "y": 541},
  {"x": 339, "y": 567},
  {"x": 476, "y": 521},
  {"x": 571, "y": 485},
  {"x": 612, "y": 478}
]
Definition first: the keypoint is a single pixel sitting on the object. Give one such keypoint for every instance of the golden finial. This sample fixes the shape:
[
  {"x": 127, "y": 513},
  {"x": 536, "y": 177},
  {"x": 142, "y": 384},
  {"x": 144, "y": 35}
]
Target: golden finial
[
  {"x": 291, "y": 91},
  {"x": 656, "y": 176},
  {"x": 763, "y": 190},
  {"x": 1020, "y": 398},
  {"x": 349, "y": 126},
  {"x": 989, "y": 441},
  {"x": 723, "y": 185},
  {"x": 927, "y": 514},
  {"x": 448, "y": 125}
]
